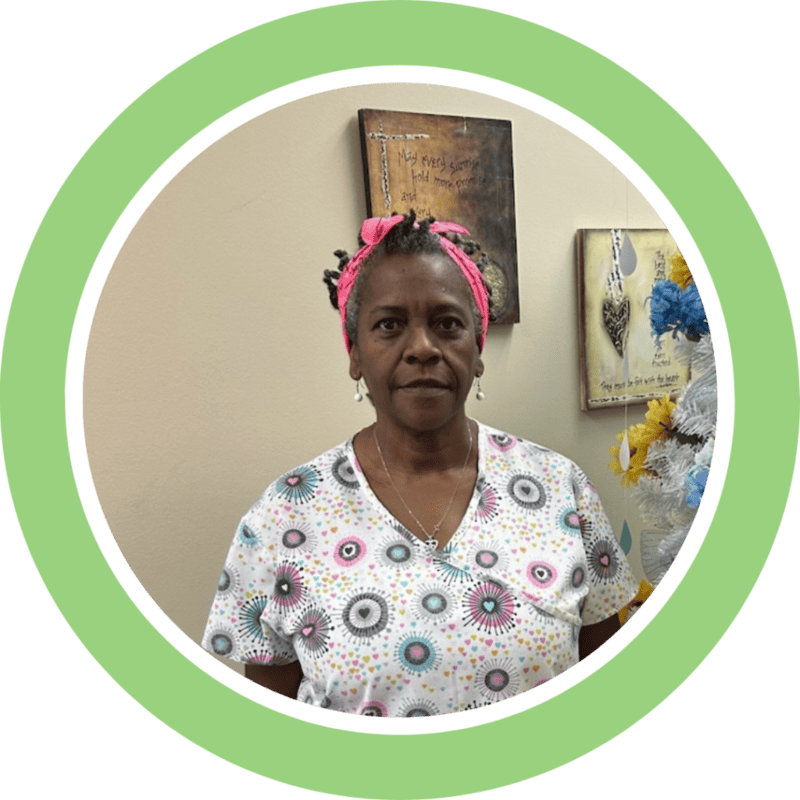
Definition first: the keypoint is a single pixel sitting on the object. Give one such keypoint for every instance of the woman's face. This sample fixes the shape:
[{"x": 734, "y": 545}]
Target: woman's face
[{"x": 416, "y": 348}]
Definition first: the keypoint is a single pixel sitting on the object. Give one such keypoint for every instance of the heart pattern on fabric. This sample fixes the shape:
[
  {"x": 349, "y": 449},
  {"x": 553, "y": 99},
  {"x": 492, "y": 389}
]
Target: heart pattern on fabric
[{"x": 381, "y": 623}]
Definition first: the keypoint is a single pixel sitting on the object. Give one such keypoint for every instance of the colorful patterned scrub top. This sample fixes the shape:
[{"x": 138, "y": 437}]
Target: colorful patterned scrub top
[{"x": 384, "y": 624}]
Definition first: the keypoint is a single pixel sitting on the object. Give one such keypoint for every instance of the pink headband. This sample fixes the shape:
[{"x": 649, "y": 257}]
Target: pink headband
[{"x": 375, "y": 229}]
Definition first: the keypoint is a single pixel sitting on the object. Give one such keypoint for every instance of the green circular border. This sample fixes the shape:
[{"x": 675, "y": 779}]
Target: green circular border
[
  {"x": 107, "y": 259},
  {"x": 123, "y": 159}
]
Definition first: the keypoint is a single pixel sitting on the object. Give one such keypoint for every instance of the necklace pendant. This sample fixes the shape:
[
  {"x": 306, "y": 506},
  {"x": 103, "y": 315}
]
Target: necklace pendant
[{"x": 436, "y": 530}]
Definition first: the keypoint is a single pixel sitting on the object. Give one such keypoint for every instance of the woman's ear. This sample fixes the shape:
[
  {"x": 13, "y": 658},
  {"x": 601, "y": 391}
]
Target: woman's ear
[{"x": 355, "y": 365}]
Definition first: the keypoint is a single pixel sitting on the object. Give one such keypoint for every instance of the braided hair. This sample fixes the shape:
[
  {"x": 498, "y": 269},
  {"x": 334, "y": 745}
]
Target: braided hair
[{"x": 405, "y": 238}]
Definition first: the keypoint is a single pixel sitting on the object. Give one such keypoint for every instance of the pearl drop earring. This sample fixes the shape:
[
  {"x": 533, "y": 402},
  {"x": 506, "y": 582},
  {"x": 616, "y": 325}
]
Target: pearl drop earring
[
  {"x": 479, "y": 395},
  {"x": 358, "y": 397}
]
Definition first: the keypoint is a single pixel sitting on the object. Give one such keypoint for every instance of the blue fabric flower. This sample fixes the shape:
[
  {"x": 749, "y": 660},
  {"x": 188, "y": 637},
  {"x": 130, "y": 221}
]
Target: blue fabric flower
[
  {"x": 695, "y": 481},
  {"x": 673, "y": 309},
  {"x": 692, "y": 313},
  {"x": 664, "y": 306}
]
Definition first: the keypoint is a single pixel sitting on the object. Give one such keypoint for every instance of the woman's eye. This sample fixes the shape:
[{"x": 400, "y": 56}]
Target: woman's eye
[
  {"x": 450, "y": 323},
  {"x": 388, "y": 324}
]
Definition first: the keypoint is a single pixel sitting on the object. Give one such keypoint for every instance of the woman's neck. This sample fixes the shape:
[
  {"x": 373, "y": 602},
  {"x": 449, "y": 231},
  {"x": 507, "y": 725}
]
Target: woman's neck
[{"x": 416, "y": 453}]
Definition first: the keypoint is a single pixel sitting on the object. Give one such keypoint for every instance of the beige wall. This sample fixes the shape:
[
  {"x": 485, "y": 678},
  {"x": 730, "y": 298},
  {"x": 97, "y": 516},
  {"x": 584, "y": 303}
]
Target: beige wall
[{"x": 215, "y": 361}]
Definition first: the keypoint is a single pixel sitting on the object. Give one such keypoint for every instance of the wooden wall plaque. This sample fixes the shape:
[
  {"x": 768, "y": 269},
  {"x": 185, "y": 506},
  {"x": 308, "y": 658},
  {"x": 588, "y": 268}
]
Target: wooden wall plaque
[
  {"x": 458, "y": 169},
  {"x": 621, "y": 362}
]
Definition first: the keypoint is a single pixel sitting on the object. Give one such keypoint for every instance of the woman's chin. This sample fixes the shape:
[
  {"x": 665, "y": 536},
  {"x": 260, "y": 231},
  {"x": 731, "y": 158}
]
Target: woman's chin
[{"x": 426, "y": 413}]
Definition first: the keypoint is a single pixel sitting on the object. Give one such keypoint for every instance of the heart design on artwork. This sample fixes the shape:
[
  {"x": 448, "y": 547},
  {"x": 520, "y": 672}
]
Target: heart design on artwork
[
  {"x": 307, "y": 631},
  {"x": 616, "y": 317},
  {"x": 293, "y": 480}
]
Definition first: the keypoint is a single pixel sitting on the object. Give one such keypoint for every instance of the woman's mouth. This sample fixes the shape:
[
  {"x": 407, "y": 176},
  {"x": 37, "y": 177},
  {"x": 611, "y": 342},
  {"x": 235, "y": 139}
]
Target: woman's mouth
[
  {"x": 425, "y": 383},
  {"x": 425, "y": 386}
]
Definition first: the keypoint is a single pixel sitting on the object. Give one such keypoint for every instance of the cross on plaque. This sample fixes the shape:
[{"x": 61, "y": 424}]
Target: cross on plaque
[{"x": 383, "y": 138}]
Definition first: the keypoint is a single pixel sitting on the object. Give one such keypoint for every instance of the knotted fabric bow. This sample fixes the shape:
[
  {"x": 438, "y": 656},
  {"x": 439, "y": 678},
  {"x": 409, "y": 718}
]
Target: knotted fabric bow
[{"x": 374, "y": 229}]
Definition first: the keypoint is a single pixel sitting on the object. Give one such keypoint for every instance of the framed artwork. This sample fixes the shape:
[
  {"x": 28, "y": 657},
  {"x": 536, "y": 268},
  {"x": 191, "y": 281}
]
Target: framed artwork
[
  {"x": 620, "y": 359},
  {"x": 458, "y": 169}
]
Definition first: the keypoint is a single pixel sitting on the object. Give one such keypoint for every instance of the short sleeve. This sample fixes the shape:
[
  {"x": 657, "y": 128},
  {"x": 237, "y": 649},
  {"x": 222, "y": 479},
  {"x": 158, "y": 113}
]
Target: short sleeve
[
  {"x": 241, "y": 623},
  {"x": 609, "y": 577}
]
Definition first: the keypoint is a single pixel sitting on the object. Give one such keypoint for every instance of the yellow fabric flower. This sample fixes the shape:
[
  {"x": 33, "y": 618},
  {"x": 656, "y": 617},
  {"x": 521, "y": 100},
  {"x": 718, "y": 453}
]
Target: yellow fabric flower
[
  {"x": 645, "y": 590},
  {"x": 657, "y": 425},
  {"x": 659, "y": 416},
  {"x": 680, "y": 272}
]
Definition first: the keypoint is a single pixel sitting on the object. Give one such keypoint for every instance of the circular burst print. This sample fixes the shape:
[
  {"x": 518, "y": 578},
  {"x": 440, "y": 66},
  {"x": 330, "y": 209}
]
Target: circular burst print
[
  {"x": 578, "y": 576},
  {"x": 373, "y": 708},
  {"x": 262, "y": 657},
  {"x": 544, "y": 618},
  {"x": 527, "y": 492},
  {"x": 541, "y": 574},
  {"x": 579, "y": 481},
  {"x": 411, "y": 707},
  {"x": 603, "y": 561},
  {"x": 228, "y": 581},
  {"x": 343, "y": 473},
  {"x": 250, "y": 615},
  {"x": 445, "y": 564},
  {"x": 502, "y": 442},
  {"x": 569, "y": 521},
  {"x": 403, "y": 532},
  {"x": 366, "y": 614},
  {"x": 497, "y": 679},
  {"x": 288, "y": 591},
  {"x": 488, "y": 556},
  {"x": 298, "y": 486},
  {"x": 314, "y": 630},
  {"x": 223, "y": 641},
  {"x": 247, "y": 536},
  {"x": 433, "y": 603},
  {"x": 349, "y": 551},
  {"x": 490, "y": 607},
  {"x": 417, "y": 654},
  {"x": 487, "y": 501},
  {"x": 576, "y": 632},
  {"x": 298, "y": 538},
  {"x": 314, "y": 696},
  {"x": 395, "y": 551},
  {"x": 477, "y": 704}
]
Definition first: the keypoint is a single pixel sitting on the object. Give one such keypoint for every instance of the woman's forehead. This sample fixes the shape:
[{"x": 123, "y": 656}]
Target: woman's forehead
[{"x": 426, "y": 279}]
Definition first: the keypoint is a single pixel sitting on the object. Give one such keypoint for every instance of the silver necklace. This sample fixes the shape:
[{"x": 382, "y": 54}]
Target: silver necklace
[{"x": 438, "y": 526}]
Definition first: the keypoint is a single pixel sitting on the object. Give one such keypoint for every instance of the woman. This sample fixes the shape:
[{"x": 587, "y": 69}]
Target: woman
[{"x": 430, "y": 564}]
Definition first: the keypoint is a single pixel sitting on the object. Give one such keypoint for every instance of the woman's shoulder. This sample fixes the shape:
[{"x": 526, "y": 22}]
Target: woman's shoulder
[
  {"x": 509, "y": 442},
  {"x": 304, "y": 485},
  {"x": 510, "y": 447}
]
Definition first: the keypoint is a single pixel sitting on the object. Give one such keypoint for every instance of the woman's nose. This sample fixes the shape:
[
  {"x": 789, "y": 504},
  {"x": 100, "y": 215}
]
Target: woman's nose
[{"x": 422, "y": 345}]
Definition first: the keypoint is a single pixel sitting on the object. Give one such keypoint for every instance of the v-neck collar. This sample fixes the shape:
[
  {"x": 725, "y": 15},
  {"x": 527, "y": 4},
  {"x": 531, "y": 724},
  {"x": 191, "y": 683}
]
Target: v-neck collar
[{"x": 469, "y": 514}]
